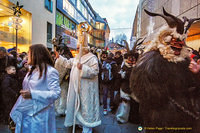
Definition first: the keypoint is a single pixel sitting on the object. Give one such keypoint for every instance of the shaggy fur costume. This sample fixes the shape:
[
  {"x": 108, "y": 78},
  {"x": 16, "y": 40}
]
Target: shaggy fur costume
[{"x": 168, "y": 92}]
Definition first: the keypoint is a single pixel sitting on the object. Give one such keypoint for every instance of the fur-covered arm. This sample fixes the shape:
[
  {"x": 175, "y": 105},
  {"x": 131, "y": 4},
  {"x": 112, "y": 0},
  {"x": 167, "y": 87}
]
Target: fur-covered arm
[
  {"x": 64, "y": 62},
  {"x": 61, "y": 68},
  {"x": 91, "y": 69}
]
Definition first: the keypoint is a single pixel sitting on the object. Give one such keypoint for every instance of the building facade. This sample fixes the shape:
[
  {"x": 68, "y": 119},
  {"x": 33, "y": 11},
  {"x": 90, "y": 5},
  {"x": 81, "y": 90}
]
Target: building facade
[
  {"x": 70, "y": 13},
  {"x": 146, "y": 26},
  {"x": 37, "y": 26}
]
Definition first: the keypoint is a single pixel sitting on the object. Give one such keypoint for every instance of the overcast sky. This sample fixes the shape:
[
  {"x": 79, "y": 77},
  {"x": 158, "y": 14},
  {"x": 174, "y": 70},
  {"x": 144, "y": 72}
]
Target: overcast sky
[{"x": 119, "y": 14}]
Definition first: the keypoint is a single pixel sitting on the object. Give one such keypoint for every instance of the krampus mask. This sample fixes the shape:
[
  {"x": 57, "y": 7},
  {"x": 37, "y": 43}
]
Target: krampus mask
[
  {"x": 170, "y": 40},
  {"x": 131, "y": 56}
]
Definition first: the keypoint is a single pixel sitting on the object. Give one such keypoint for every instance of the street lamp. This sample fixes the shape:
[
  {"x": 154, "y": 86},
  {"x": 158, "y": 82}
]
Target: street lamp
[{"x": 16, "y": 19}]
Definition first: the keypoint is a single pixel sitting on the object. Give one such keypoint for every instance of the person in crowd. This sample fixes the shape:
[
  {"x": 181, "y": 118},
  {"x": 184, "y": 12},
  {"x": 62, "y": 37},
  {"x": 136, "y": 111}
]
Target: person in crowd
[
  {"x": 108, "y": 69},
  {"x": 21, "y": 58},
  {"x": 22, "y": 72},
  {"x": 5, "y": 61},
  {"x": 195, "y": 63},
  {"x": 94, "y": 51},
  {"x": 128, "y": 109},
  {"x": 34, "y": 110},
  {"x": 53, "y": 55},
  {"x": 118, "y": 58},
  {"x": 10, "y": 91},
  {"x": 103, "y": 57},
  {"x": 83, "y": 92},
  {"x": 64, "y": 75}
]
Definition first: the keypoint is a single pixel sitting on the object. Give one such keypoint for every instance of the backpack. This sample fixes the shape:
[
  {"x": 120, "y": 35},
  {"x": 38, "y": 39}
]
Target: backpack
[{"x": 106, "y": 74}]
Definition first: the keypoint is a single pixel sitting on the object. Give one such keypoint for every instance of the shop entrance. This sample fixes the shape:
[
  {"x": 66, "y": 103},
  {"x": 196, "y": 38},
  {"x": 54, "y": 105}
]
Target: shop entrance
[{"x": 8, "y": 32}]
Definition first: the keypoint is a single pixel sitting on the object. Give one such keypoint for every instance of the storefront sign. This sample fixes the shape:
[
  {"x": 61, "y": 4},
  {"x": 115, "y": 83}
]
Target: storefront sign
[{"x": 69, "y": 41}]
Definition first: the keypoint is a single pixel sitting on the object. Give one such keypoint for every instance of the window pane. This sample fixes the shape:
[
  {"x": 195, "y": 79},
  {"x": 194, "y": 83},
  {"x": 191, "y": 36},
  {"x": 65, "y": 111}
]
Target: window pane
[
  {"x": 66, "y": 22},
  {"x": 49, "y": 32},
  {"x": 59, "y": 18},
  {"x": 73, "y": 1}
]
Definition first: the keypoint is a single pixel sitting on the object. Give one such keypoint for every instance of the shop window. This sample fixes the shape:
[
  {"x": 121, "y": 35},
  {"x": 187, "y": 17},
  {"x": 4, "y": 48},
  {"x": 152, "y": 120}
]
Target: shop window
[
  {"x": 70, "y": 25},
  {"x": 97, "y": 25},
  {"x": 73, "y": 26},
  {"x": 59, "y": 18},
  {"x": 66, "y": 22},
  {"x": 73, "y": 1},
  {"x": 49, "y": 5},
  {"x": 49, "y": 32},
  {"x": 79, "y": 5},
  {"x": 102, "y": 26}
]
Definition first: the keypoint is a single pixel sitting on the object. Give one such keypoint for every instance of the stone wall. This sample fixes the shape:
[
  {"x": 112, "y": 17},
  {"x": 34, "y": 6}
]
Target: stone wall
[{"x": 180, "y": 8}]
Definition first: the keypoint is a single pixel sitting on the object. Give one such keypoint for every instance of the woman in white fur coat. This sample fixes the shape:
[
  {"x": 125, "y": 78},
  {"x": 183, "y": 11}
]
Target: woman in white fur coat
[{"x": 34, "y": 110}]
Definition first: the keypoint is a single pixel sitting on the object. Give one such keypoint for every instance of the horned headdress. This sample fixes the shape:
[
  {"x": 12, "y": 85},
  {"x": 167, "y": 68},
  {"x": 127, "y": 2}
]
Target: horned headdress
[
  {"x": 174, "y": 22},
  {"x": 170, "y": 40},
  {"x": 133, "y": 51}
]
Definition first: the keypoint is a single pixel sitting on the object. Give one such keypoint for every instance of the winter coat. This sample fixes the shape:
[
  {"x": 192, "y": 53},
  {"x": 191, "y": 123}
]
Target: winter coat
[
  {"x": 10, "y": 92},
  {"x": 113, "y": 73},
  {"x": 37, "y": 114},
  {"x": 117, "y": 79},
  {"x": 4, "y": 62}
]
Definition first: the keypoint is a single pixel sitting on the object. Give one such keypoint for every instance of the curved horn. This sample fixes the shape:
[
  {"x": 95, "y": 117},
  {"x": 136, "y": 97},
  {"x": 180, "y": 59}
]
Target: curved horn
[
  {"x": 170, "y": 21},
  {"x": 179, "y": 22},
  {"x": 141, "y": 42},
  {"x": 136, "y": 44},
  {"x": 127, "y": 47},
  {"x": 190, "y": 22}
]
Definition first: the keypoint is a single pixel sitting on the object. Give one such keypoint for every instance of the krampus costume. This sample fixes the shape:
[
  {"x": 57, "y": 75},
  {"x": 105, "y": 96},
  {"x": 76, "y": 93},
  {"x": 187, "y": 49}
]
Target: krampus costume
[
  {"x": 60, "y": 104},
  {"x": 127, "y": 103},
  {"x": 168, "y": 92}
]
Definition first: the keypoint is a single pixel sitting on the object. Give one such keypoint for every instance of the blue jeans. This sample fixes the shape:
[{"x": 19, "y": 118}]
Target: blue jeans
[{"x": 105, "y": 96}]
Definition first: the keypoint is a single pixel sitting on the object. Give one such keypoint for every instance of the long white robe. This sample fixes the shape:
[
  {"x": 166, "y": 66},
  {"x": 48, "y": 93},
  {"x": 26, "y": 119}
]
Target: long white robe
[
  {"x": 37, "y": 115},
  {"x": 88, "y": 106}
]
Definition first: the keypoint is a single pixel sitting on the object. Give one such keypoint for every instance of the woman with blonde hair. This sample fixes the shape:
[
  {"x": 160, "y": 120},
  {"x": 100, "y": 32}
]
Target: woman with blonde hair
[{"x": 34, "y": 110}]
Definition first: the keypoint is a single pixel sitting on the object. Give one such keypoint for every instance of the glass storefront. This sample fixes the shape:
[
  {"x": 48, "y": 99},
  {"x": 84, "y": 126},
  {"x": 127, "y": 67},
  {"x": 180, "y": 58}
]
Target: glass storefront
[
  {"x": 8, "y": 32},
  {"x": 63, "y": 21}
]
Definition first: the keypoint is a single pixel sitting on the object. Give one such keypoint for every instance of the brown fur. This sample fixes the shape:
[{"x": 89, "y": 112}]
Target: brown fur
[{"x": 154, "y": 80}]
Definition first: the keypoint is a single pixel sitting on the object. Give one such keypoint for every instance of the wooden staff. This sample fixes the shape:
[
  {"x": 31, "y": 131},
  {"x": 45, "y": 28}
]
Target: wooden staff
[{"x": 82, "y": 39}]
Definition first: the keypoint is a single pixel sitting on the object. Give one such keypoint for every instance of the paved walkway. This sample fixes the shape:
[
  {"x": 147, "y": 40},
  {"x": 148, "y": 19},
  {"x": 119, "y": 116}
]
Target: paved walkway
[{"x": 109, "y": 125}]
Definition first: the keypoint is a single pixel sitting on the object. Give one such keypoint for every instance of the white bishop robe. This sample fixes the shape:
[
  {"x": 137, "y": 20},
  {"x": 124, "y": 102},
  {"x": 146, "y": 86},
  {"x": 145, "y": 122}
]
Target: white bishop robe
[{"x": 88, "y": 113}]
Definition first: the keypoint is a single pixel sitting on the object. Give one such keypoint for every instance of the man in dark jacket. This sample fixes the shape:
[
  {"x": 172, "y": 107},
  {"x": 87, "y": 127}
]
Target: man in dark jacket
[
  {"x": 5, "y": 61},
  {"x": 108, "y": 68}
]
